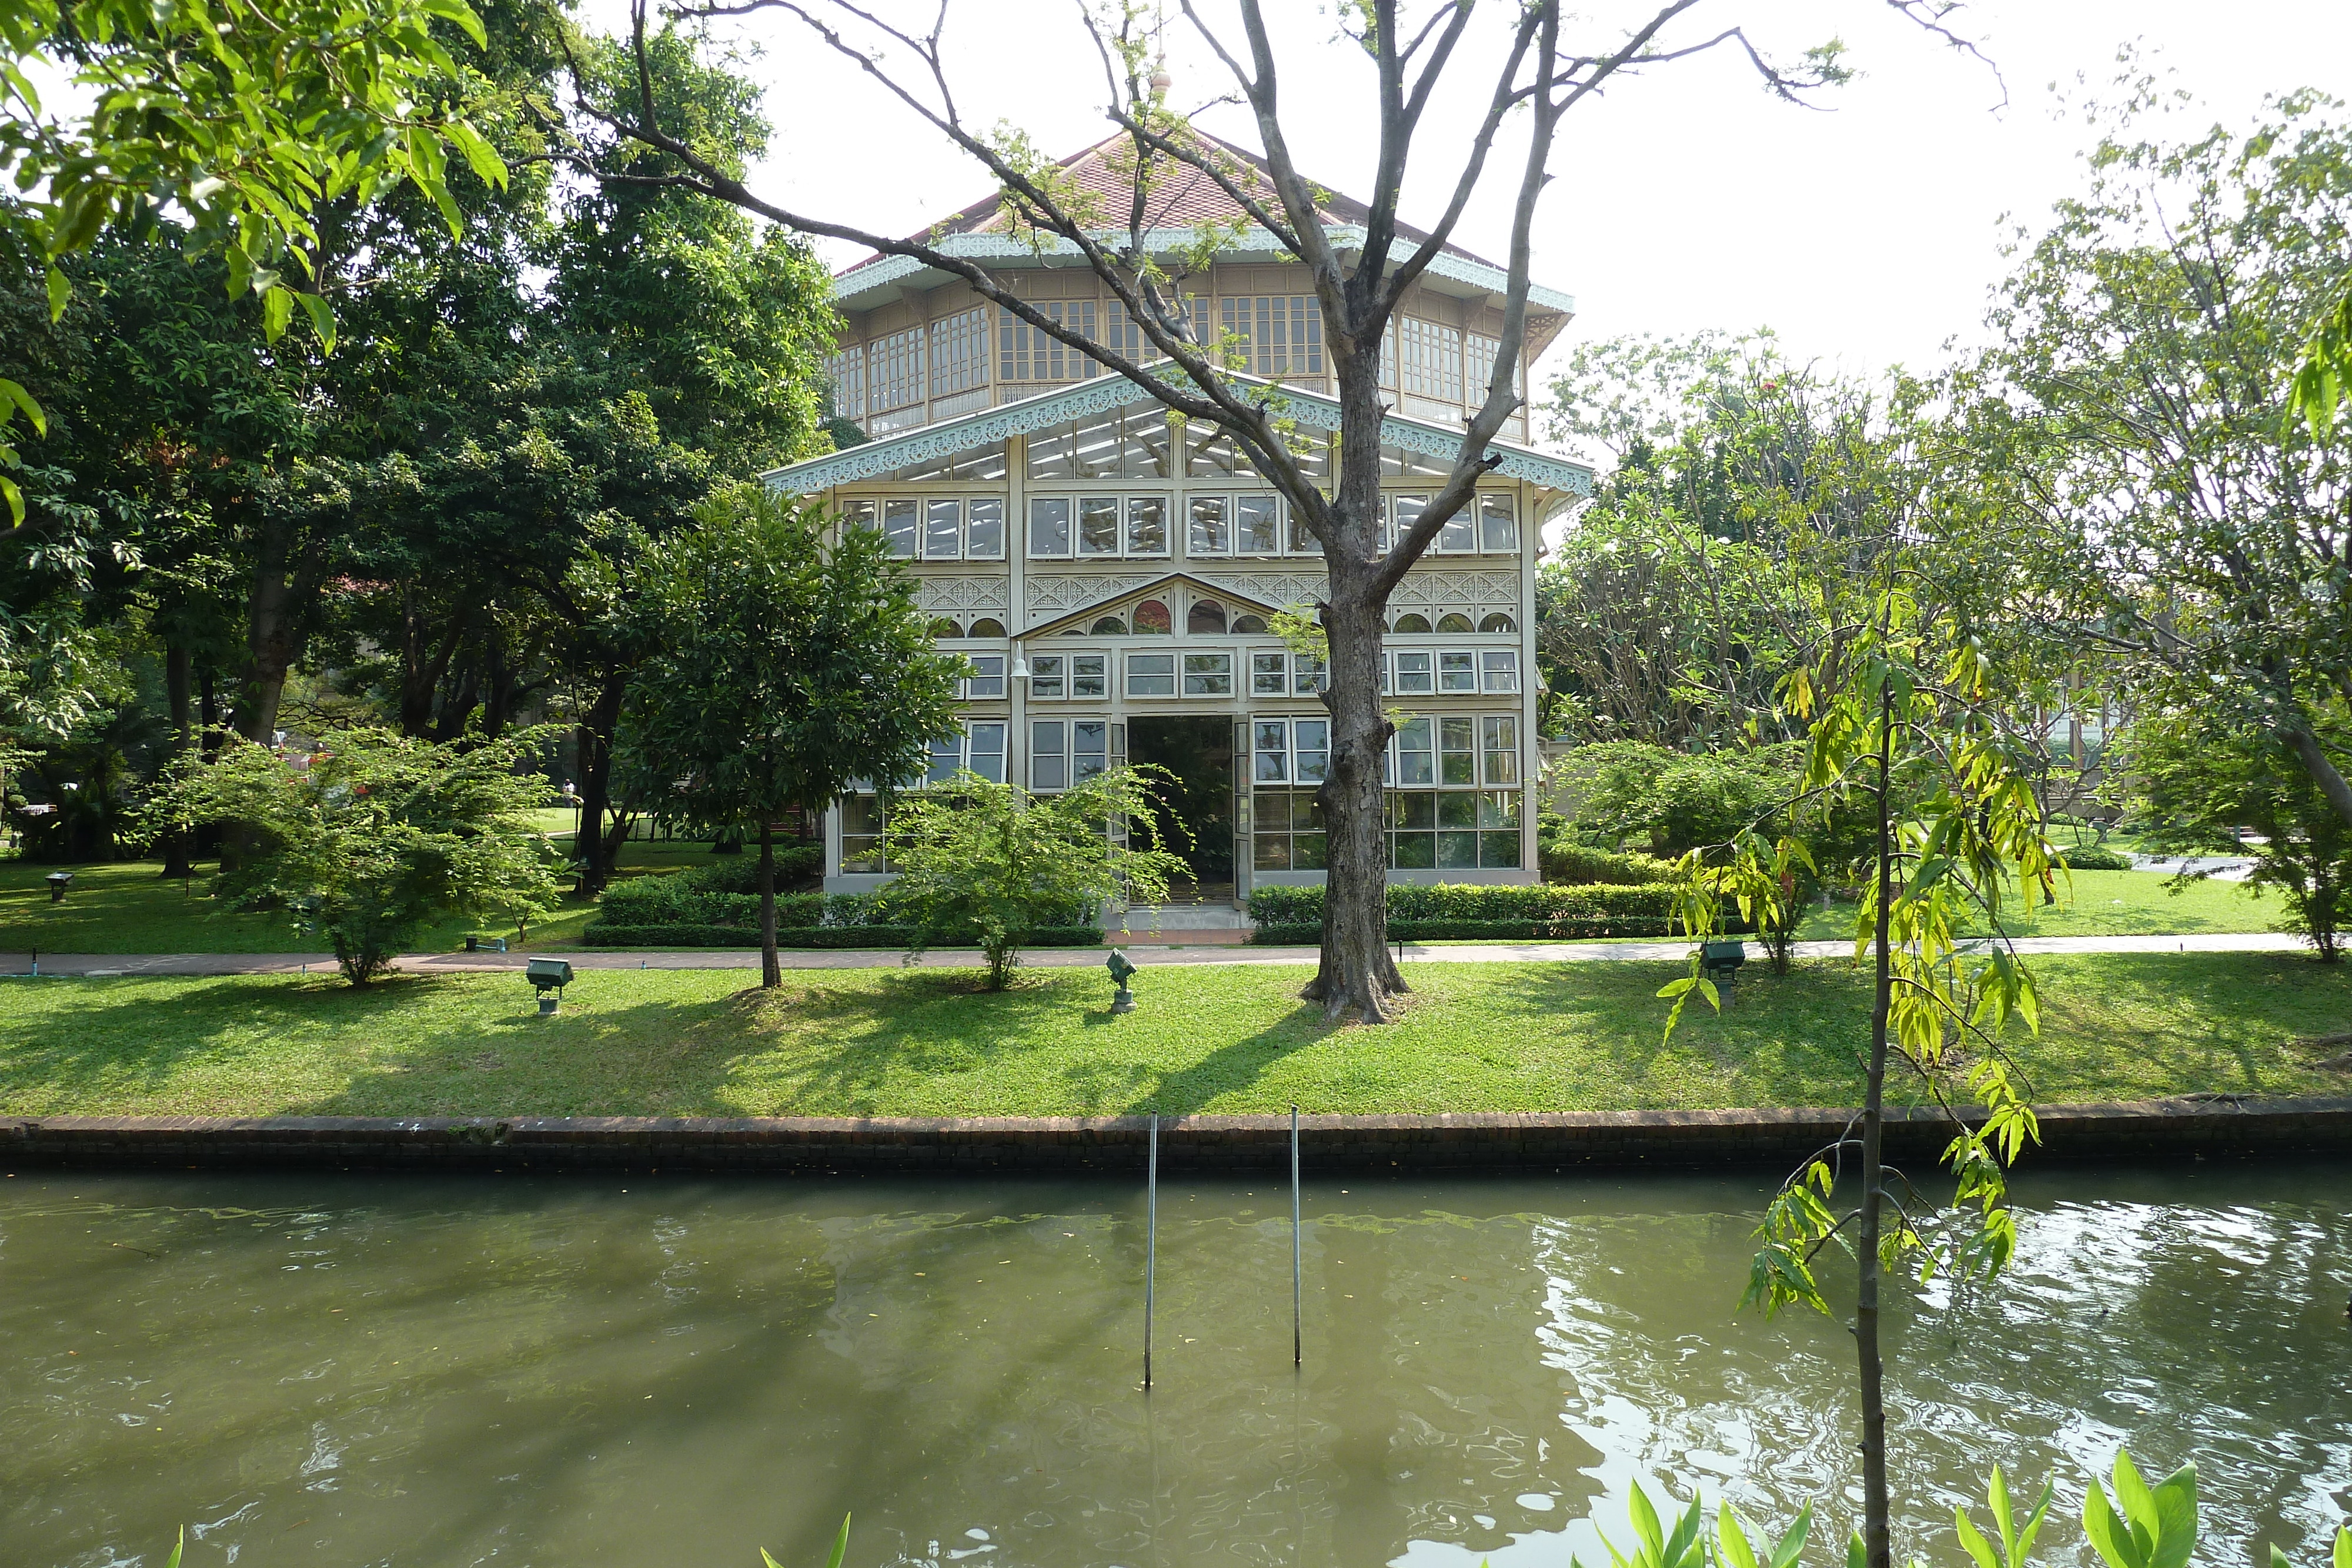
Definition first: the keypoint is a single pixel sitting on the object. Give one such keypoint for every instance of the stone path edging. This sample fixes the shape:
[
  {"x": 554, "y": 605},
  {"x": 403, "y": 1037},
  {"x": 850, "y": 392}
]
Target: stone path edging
[{"x": 2195, "y": 1127}]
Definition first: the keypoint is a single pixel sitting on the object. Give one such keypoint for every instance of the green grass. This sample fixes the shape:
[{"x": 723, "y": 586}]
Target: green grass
[
  {"x": 2116, "y": 903},
  {"x": 1501, "y": 1037},
  {"x": 125, "y": 906}
]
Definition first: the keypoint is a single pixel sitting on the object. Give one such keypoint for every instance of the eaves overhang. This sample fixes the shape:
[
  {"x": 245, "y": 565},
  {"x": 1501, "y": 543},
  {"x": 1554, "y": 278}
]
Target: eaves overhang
[
  {"x": 882, "y": 280},
  {"x": 1108, "y": 393}
]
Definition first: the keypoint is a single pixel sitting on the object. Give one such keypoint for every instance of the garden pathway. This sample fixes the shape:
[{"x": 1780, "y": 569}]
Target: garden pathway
[{"x": 103, "y": 965}]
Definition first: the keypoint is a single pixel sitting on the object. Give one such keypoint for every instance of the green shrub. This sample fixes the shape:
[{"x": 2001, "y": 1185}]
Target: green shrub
[
  {"x": 1570, "y": 863},
  {"x": 688, "y": 898},
  {"x": 2090, "y": 857},
  {"x": 602, "y": 934},
  {"x": 1456, "y": 910},
  {"x": 740, "y": 873}
]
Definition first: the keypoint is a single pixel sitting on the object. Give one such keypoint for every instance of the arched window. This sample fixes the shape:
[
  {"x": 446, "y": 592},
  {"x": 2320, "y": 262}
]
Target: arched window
[
  {"x": 1153, "y": 619},
  {"x": 1494, "y": 622},
  {"x": 1456, "y": 623},
  {"x": 990, "y": 626},
  {"x": 1248, "y": 625},
  {"x": 1412, "y": 623},
  {"x": 1206, "y": 616},
  {"x": 943, "y": 627},
  {"x": 1110, "y": 626}
]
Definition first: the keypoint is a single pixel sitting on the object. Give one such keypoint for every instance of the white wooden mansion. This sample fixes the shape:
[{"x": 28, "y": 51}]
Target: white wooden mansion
[{"x": 1111, "y": 584}]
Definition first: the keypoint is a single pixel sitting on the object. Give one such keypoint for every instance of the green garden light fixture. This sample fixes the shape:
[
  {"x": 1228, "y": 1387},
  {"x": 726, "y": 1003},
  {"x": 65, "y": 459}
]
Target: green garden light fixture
[
  {"x": 1122, "y": 1000},
  {"x": 546, "y": 975}
]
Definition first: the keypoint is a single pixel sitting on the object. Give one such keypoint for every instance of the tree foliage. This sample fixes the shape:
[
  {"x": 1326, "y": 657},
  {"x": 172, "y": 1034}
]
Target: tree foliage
[
  {"x": 973, "y": 854},
  {"x": 377, "y": 838},
  {"x": 2199, "y": 777},
  {"x": 784, "y": 657},
  {"x": 2130, "y": 420}
]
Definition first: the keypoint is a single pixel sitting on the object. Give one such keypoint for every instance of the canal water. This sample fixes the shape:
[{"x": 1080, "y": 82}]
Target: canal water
[{"x": 634, "y": 1371}]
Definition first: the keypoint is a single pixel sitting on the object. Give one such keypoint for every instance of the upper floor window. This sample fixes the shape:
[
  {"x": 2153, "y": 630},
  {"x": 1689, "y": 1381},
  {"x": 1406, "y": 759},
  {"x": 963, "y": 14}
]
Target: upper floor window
[
  {"x": 1489, "y": 523},
  {"x": 1429, "y": 359},
  {"x": 897, "y": 363},
  {"x": 1234, "y": 525},
  {"x": 1099, "y": 526},
  {"x": 1275, "y": 334},
  {"x": 846, "y": 371},
  {"x": 959, "y": 353},
  {"x": 1480, "y": 350},
  {"x": 1030, "y": 353},
  {"x": 942, "y": 528}
]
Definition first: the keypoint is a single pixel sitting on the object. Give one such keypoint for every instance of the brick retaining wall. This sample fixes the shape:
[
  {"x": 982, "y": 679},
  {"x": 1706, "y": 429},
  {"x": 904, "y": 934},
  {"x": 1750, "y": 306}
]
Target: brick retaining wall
[{"x": 2202, "y": 1126}]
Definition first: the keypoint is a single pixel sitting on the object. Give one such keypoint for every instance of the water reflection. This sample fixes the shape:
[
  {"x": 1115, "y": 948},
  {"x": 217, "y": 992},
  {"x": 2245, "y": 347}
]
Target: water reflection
[{"x": 634, "y": 1371}]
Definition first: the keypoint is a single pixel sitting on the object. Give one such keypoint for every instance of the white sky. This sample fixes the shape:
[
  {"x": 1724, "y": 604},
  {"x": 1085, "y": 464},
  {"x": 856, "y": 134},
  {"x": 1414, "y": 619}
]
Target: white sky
[{"x": 1866, "y": 234}]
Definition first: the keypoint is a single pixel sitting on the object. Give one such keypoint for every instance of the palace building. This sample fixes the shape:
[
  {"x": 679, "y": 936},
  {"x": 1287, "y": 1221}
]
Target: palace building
[{"x": 1110, "y": 574}]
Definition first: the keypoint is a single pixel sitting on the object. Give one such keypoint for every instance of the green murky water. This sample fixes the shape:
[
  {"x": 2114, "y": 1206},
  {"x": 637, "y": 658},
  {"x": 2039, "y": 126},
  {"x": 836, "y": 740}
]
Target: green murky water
[{"x": 626, "y": 1372}]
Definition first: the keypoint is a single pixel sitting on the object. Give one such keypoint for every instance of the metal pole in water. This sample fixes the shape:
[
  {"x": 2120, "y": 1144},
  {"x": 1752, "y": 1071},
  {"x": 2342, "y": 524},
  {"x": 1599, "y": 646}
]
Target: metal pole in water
[
  {"x": 1150, "y": 1239},
  {"x": 1297, "y": 1353}
]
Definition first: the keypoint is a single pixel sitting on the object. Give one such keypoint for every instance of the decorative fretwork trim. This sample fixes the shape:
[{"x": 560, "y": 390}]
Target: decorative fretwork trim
[
  {"x": 1101, "y": 396},
  {"x": 963, "y": 592}
]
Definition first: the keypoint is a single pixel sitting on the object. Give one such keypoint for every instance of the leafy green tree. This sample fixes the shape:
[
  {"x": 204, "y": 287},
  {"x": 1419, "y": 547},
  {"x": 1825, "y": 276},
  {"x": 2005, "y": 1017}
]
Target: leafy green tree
[
  {"x": 245, "y": 123},
  {"x": 2200, "y": 777},
  {"x": 784, "y": 657},
  {"x": 1909, "y": 704},
  {"x": 377, "y": 838},
  {"x": 2129, "y": 420},
  {"x": 974, "y": 855}
]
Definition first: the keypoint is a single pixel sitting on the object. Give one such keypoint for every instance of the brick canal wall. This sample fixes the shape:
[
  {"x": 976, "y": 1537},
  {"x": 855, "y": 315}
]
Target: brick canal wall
[{"x": 2158, "y": 1129}]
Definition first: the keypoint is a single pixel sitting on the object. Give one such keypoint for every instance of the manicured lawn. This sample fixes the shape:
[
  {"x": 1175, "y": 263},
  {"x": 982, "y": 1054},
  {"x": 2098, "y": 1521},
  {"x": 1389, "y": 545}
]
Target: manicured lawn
[
  {"x": 925, "y": 1042},
  {"x": 123, "y": 906},
  {"x": 2116, "y": 903}
]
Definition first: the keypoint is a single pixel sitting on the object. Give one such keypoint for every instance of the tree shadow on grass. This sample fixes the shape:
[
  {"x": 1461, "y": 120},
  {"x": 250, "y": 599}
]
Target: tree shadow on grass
[{"x": 87, "y": 1048}]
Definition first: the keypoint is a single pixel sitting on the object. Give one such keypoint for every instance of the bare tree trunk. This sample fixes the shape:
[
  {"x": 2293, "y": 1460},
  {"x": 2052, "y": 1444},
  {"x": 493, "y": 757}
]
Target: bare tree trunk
[
  {"x": 1874, "y": 1538},
  {"x": 421, "y": 668},
  {"x": 772, "y": 970},
  {"x": 179, "y": 695},
  {"x": 2323, "y": 771},
  {"x": 274, "y": 633},
  {"x": 596, "y": 727},
  {"x": 1356, "y": 972}
]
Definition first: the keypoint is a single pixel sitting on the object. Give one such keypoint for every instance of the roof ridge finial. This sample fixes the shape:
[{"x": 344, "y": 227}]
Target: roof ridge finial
[{"x": 1160, "y": 80}]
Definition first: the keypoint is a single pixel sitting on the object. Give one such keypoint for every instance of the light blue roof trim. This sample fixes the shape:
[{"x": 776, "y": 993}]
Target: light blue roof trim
[
  {"x": 1108, "y": 393},
  {"x": 894, "y": 270}
]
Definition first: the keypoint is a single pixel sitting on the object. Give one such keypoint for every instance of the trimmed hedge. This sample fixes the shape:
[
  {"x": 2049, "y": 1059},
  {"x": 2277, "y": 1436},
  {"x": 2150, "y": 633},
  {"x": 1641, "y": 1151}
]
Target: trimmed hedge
[
  {"x": 1573, "y": 865},
  {"x": 2091, "y": 857},
  {"x": 1471, "y": 912},
  {"x": 808, "y": 936}
]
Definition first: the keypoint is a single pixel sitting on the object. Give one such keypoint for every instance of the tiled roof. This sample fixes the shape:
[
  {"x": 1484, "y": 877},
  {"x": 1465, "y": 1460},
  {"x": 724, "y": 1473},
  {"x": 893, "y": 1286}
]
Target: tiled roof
[{"x": 1186, "y": 199}]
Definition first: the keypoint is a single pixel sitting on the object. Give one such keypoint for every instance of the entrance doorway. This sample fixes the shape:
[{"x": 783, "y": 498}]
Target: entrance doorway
[{"x": 1199, "y": 753}]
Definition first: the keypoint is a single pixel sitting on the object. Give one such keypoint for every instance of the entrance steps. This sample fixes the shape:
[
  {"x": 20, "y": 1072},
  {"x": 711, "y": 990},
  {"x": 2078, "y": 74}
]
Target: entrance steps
[{"x": 1187, "y": 918}]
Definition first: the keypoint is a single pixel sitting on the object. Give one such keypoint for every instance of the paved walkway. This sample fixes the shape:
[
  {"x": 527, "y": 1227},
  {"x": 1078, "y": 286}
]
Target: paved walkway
[{"x": 102, "y": 964}]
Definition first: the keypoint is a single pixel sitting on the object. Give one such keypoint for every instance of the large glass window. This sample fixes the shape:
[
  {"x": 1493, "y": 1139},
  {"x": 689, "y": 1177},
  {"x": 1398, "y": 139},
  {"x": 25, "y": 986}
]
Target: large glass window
[
  {"x": 1257, "y": 525},
  {"x": 1151, "y": 675},
  {"x": 1458, "y": 535},
  {"x": 943, "y": 530},
  {"x": 959, "y": 353},
  {"x": 901, "y": 524},
  {"x": 1416, "y": 748},
  {"x": 986, "y": 682},
  {"x": 1415, "y": 672},
  {"x": 846, "y": 373},
  {"x": 1499, "y": 748},
  {"x": 1457, "y": 739},
  {"x": 1049, "y": 754},
  {"x": 1454, "y": 803},
  {"x": 1498, "y": 523},
  {"x": 896, "y": 363},
  {"x": 1429, "y": 355},
  {"x": 1270, "y": 674},
  {"x": 1027, "y": 354},
  {"x": 1274, "y": 335},
  {"x": 1089, "y": 676},
  {"x": 1063, "y": 752},
  {"x": 984, "y": 528},
  {"x": 1208, "y": 674},
  {"x": 1147, "y": 525},
  {"x": 1098, "y": 525},
  {"x": 1049, "y": 677},
  {"x": 1498, "y": 670},
  {"x": 1211, "y": 528},
  {"x": 1270, "y": 751},
  {"x": 1286, "y": 831},
  {"x": 862, "y": 849},
  {"x": 984, "y": 751},
  {"x": 1049, "y": 524},
  {"x": 1457, "y": 673}
]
